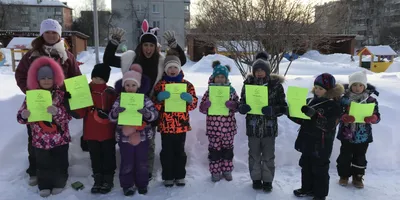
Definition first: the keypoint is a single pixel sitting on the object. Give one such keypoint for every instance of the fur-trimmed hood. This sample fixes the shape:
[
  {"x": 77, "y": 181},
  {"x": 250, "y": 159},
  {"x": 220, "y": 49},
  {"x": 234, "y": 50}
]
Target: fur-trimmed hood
[
  {"x": 58, "y": 73},
  {"x": 273, "y": 79},
  {"x": 334, "y": 93}
]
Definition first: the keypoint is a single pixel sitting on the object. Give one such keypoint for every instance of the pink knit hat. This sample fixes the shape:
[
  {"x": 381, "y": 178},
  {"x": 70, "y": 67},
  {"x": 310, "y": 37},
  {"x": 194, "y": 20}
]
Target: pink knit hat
[{"x": 135, "y": 74}]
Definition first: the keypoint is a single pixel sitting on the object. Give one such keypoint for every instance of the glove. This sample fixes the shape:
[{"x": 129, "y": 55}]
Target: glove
[
  {"x": 187, "y": 97},
  {"x": 307, "y": 110},
  {"x": 67, "y": 95},
  {"x": 52, "y": 110},
  {"x": 281, "y": 110},
  {"x": 116, "y": 111},
  {"x": 25, "y": 114},
  {"x": 348, "y": 118},
  {"x": 146, "y": 114},
  {"x": 206, "y": 105},
  {"x": 244, "y": 109},
  {"x": 232, "y": 105},
  {"x": 169, "y": 36},
  {"x": 163, "y": 95},
  {"x": 116, "y": 35},
  {"x": 268, "y": 111},
  {"x": 371, "y": 119},
  {"x": 102, "y": 114}
]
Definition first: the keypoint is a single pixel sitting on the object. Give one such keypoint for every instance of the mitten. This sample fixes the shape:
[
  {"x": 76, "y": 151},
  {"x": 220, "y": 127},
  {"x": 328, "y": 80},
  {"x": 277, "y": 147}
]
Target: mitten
[
  {"x": 163, "y": 95},
  {"x": 169, "y": 36},
  {"x": 205, "y": 105},
  {"x": 307, "y": 110},
  {"x": 102, "y": 114},
  {"x": 232, "y": 105},
  {"x": 52, "y": 110},
  {"x": 25, "y": 114},
  {"x": 187, "y": 97},
  {"x": 67, "y": 95},
  {"x": 371, "y": 119},
  {"x": 348, "y": 118},
  {"x": 116, "y": 111},
  {"x": 244, "y": 109},
  {"x": 116, "y": 35},
  {"x": 268, "y": 111},
  {"x": 146, "y": 114}
]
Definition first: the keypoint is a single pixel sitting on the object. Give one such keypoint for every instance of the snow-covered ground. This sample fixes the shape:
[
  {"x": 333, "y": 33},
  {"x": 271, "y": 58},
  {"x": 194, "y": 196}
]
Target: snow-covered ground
[{"x": 382, "y": 180}]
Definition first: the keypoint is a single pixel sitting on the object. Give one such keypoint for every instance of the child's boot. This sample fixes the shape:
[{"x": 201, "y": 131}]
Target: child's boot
[
  {"x": 302, "y": 193},
  {"x": 180, "y": 182},
  {"x": 228, "y": 176},
  {"x": 129, "y": 191},
  {"x": 108, "y": 184},
  {"x": 45, "y": 193},
  {"x": 344, "y": 181},
  {"x": 142, "y": 190},
  {"x": 215, "y": 177},
  {"x": 98, "y": 182},
  {"x": 168, "y": 183},
  {"x": 32, "y": 181},
  {"x": 267, "y": 186},
  {"x": 56, "y": 191},
  {"x": 257, "y": 185},
  {"x": 358, "y": 181}
]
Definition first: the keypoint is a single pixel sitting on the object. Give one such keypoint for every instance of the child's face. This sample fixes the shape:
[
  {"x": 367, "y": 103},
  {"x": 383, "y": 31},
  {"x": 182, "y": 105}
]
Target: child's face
[
  {"x": 319, "y": 91},
  {"x": 98, "y": 80},
  {"x": 259, "y": 73},
  {"x": 131, "y": 86},
  {"x": 357, "y": 88},
  {"x": 173, "y": 71},
  {"x": 46, "y": 83},
  {"x": 220, "y": 79}
]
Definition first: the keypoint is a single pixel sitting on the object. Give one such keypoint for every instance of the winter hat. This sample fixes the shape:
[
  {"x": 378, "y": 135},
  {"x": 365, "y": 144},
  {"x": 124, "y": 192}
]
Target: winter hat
[
  {"x": 220, "y": 69},
  {"x": 358, "y": 77},
  {"x": 172, "y": 61},
  {"x": 135, "y": 74},
  {"x": 326, "y": 81},
  {"x": 262, "y": 55},
  {"x": 261, "y": 64},
  {"x": 44, "y": 72},
  {"x": 101, "y": 70},
  {"x": 35, "y": 69},
  {"x": 50, "y": 25},
  {"x": 149, "y": 34}
]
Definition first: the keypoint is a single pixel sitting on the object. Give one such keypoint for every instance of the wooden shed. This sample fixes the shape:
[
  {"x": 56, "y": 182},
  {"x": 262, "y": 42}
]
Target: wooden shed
[{"x": 381, "y": 57}]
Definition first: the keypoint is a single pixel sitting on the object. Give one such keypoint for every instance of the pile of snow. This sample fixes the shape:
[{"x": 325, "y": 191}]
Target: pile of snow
[
  {"x": 205, "y": 64},
  {"x": 331, "y": 58}
]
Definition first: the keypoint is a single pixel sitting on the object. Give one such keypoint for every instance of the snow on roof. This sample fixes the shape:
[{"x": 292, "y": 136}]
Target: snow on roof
[
  {"x": 20, "y": 43},
  {"x": 241, "y": 45},
  {"x": 35, "y": 2},
  {"x": 382, "y": 50}
]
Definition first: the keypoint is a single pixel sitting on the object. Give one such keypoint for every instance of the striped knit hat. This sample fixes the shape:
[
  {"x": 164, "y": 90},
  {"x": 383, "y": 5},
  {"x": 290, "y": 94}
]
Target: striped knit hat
[{"x": 326, "y": 81}]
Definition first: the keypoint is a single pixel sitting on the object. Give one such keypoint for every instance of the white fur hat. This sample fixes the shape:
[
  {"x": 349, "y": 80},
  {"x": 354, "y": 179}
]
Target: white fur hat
[
  {"x": 358, "y": 77},
  {"x": 50, "y": 25}
]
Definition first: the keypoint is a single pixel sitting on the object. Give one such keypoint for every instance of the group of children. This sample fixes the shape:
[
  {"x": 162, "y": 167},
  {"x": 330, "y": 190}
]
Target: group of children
[{"x": 326, "y": 109}]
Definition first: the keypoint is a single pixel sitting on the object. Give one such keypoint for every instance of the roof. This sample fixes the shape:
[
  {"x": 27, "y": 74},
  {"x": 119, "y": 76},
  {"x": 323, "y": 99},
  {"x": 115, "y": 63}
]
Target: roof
[
  {"x": 383, "y": 50},
  {"x": 35, "y": 2},
  {"x": 23, "y": 43}
]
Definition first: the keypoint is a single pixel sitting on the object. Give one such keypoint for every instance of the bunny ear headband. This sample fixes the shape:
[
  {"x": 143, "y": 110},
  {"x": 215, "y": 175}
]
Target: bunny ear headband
[{"x": 149, "y": 35}]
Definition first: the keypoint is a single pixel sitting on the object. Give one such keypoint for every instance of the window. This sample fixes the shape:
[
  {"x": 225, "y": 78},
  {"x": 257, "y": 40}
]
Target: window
[
  {"x": 156, "y": 9},
  {"x": 34, "y": 25},
  {"x": 40, "y": 9},
  {"x": 187, "y": 7},
  {"x": 49, "y": 9},
  {"x": 156, "y": 24}
]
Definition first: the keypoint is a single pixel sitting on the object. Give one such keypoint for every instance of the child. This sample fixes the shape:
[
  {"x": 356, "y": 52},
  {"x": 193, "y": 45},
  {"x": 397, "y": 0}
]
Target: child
[
  {"x": 134, "y": 140},
  {"x": 263, "y": 129},
  {"x": 99, "y": 132},
  {"x": 173, "y": 125},
  {"x": 49, "y": 139},
  {"x": 315, "y": 138},
  {"x": 220, "y": 129},
  {"x": 355, "y": 137}
]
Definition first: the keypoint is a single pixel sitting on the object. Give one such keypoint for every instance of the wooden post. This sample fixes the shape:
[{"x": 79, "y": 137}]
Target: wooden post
[{"x": 13, "y": 60}]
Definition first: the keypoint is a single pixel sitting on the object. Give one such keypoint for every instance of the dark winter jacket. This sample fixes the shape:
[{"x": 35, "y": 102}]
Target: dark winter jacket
[
  {"x": 103, "y": 99},
  {"x": 358, "y": 132},
  {"x": 321, "y": 128},
  {"x": 259, "y": 125}
]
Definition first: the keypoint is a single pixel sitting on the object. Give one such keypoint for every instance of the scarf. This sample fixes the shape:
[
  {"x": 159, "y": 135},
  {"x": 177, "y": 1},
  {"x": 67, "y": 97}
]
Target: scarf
[
  {"x": 58, "y": 49},
  {"x": 175, "y": 79}
]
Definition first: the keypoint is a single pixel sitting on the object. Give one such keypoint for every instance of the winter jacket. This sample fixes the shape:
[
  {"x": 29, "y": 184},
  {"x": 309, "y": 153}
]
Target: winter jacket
[
  {"x": 147, "y": 132},
  {"x": 358, "y": 132},
  {"x": 174, "y": 122},
  {"x": 103, "y": 99},
  {"x": 261, "y": 126},
  {"x": 321, "y": 128},
  {"x": 220, "y": 126},
  {"x": 152, "y": 68},
  {"x": 49, "y": 140},
  {"x": 70, "y": 67}
]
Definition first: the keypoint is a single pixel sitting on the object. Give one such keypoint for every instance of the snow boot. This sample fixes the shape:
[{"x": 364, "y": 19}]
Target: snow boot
[
  {"x": 215, "y": 177},
  {"x": 267, "y": 186},
  {"x": 33, "y": 181},
  {"x": 168, "y": 183},
  {"x": 129, "y": 191},
  {"x": 319, "y": 198},
  {"x": 228, "y": 176},
  {"x": 257, "y": 185},
  {"x": 344, "y": 181},
  {"x": 98, "y": 182},
  {"x": 108, "y": 184},
  {"x": 358, "y": 181},
  {"x": 142, "y": 190},
  {"x": 45, "y": 193},
  {"x": 302, "y": 193},
  {"x": 180, "y": 182},
  {"x": 56, "y": 191}
]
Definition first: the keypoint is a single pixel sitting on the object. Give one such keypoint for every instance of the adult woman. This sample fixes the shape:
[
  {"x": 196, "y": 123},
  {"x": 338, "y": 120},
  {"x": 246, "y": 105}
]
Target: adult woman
[
  {"x": 148, "y": 56},
  {"x": 49, "y": 44}
]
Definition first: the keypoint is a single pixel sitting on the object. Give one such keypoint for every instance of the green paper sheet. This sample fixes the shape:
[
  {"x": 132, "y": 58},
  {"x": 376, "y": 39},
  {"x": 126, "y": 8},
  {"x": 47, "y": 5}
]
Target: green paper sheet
[
  {"x": 256, "y": 98},
  {"x": 79, "y": 89},
  {"x": 218, "y": 96},
  {"x": 296, "y": 98},
  {"x": 37, "y": 102},
  {"x": 175, "y": 103},
  {"x": 131, "y": 102},
  {"x": 361, "y": 110}
]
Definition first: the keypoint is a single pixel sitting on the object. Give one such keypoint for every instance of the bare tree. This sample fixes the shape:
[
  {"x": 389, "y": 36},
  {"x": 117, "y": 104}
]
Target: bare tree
[
  {"x": 8, "y": 11},
  {"x": 247, "y": 27},
  {"x": 138, "y": 12}
]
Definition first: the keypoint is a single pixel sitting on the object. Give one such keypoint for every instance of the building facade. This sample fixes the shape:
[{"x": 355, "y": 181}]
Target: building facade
[{"x": 164, "y": 14}]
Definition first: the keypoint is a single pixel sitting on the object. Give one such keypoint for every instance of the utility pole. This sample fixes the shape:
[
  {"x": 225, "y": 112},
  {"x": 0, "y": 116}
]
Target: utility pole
[{"x": 96, "y": 31}]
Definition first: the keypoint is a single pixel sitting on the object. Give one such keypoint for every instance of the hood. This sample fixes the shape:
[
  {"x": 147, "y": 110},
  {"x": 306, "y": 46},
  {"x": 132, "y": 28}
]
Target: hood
[{"x": 58, "y": 73}]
